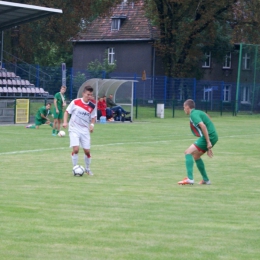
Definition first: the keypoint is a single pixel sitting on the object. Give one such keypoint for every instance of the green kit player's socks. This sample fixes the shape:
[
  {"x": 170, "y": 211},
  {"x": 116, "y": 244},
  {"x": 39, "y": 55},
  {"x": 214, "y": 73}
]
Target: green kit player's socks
[
  {"x": 32, "y": 126},
  {"x": 51, "y": 124},
  {"x": 53, "y": 131},
  {"x": 189, "y": 165},
  {"x": 201, "y": 167}
]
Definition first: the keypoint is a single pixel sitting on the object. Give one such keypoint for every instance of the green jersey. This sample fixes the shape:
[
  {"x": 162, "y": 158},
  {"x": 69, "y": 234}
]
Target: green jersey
[
  {"x": 60, "y": 99},
  {"x": 42, "y": 111},
  {"x": 198, "y": 116}
]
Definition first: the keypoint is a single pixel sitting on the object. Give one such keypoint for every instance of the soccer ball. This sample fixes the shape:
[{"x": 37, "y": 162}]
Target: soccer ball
[
  {"x": 78, "y": 170},
  {"x": 61, "y": 134}
]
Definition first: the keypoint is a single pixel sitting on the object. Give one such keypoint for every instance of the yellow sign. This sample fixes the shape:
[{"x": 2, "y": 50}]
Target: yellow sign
[{"x": 22, "y": 111}]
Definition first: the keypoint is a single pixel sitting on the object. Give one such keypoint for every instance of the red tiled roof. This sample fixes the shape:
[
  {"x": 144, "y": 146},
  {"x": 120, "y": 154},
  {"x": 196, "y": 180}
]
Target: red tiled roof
[{"x": 134, "y": 25}]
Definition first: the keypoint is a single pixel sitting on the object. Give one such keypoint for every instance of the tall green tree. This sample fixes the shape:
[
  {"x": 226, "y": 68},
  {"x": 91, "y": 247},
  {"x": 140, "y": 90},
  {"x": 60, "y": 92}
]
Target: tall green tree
[
  {"x": 188, "y": 27},
  {"x": 47, "y": 41}
]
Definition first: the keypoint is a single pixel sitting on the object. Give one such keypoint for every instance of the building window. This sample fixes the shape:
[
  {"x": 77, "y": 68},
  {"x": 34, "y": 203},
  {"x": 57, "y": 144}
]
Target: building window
[
  {"x": 180, "y": 94},
  {"x": 245, "y": 95},
  {"x": 227, "y": 61},
  {"x": 115, "y": 26},
  {"x": 111, "y": 55},
  {"x": 207, "y": 93},
  {"x": 207, "y": 61},
  {"x": 183, "y": 93},
  {"x": 246, "y": 61},
  {"x": 227, "y": 93}
]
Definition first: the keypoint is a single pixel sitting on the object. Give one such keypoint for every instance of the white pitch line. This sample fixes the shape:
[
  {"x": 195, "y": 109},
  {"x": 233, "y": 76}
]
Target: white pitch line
[
  {"x": 114, "y": 144},
  {"x": 97, "y": 145}
]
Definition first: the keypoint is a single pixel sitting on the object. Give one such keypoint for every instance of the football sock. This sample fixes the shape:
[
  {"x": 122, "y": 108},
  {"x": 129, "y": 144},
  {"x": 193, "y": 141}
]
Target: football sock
[
  {"x": 74, "y": 158},
  {"x": 32, "y": 126},
  {"x": 57, "y": 131},
  {"x": 51, "y": 124},
  {"x": 53, "y": 131},
  {"x": 189, "y": 165},
  {"x": 87, "y": 162},
  {"x": 201, "y": 167}
]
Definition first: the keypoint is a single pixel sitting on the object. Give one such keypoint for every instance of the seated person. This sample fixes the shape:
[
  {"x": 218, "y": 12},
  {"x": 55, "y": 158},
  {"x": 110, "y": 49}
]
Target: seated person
[
  {"x": 114, "y": 107},
  {"x": 109, "y": 112},
  {"x": 41, "y": 117},
  {"x": 101, "y": 106}
]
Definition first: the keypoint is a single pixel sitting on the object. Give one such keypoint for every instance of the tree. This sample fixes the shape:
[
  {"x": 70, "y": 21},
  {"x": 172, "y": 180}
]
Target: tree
[
  {"x": 96, "y": 68},
  {"x": 47, "y": 41},
  {"x": 188, "y": 27}
]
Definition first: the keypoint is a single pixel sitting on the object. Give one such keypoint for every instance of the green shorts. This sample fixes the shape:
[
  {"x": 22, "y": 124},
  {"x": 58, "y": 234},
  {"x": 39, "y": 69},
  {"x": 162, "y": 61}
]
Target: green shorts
[
  {"x": 40, "y": 121},
  {"x": 59, "y": 115},
  {"x": 201, "y": 143}
]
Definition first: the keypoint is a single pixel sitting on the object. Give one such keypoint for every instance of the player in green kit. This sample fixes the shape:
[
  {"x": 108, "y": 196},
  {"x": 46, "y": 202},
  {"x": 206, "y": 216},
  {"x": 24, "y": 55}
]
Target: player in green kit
[
  {"x": 41, "y": 117},
  {"x": 59, "y": 103},
  {"x": 201, "y": 126}
]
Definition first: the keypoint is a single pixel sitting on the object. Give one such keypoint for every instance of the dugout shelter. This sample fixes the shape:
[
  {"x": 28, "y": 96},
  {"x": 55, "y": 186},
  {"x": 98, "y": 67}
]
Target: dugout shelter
[{"x": 121, "y": 89}]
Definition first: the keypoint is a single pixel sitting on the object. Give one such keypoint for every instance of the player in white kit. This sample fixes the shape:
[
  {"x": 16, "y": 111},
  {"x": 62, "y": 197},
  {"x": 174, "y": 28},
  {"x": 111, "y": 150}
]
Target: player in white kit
[{"x": 83, "y": 116}]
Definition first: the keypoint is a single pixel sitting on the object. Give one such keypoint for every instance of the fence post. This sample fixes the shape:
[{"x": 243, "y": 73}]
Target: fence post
[
  {"x": 136, "y": 108},
  {"x": 15, "y": 110},
  {"x": 165, "y": 90},
  {"x": 37, "y": 74},
  {"x": 194, "y": 89},
  {"x": 155, "y": 108},
  {"x": 71, "y": 82},
  {"x": 173, "y": 108}
]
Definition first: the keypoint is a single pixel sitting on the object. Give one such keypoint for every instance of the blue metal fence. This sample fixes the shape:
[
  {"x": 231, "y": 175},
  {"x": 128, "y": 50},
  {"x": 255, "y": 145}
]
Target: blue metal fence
[{"x": 158, "y": 88}]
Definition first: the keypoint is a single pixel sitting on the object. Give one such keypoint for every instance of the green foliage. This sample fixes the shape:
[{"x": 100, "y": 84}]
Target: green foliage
[
  {"x": 47, "y": 41},
  {"x": 78, "y": 80},
  {"x": 96, "y": 68},
  {"x": 189, "y": 27}
]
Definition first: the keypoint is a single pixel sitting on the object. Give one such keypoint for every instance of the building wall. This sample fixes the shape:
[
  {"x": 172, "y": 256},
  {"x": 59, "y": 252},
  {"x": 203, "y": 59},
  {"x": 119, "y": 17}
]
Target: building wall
[
  {"x": 131, "y": 57},
  {"x": 217, "y": 73}
]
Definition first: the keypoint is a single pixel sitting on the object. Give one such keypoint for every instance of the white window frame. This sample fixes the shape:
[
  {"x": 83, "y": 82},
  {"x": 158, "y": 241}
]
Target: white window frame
[
  {"x": 111, "y": 55},
  {"x": 227, "y": 93},
  {"x": 227, "y": 61},
  {"x": 181, "y": 97},
  {"x": 115, "y": 24},
  {"x": 206, "y": 93},
  {"x": 207, "y": 62},
  {"x": 246, "y": 61},
  {"x": 245, "y": 95}
]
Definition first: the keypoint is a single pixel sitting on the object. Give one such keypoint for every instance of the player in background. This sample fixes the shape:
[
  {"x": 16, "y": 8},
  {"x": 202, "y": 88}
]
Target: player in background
[
  {"x": 201, "y": 126},
  {"x": 83, "y": 116},
  {"x": 41, "y": 117},
  {"x": 59, "y": 102}
]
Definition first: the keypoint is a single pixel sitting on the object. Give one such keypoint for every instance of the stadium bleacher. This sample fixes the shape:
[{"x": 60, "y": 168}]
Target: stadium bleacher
[{"x": 13, "y": 86}]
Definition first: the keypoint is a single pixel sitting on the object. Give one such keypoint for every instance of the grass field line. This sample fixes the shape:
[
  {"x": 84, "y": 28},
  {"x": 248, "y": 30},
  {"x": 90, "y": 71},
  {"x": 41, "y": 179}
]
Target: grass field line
[{"x": 113, "y": 144}]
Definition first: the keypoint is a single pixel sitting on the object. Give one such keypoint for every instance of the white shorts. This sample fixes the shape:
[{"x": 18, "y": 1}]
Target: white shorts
[{"x": 78, "y": 139}]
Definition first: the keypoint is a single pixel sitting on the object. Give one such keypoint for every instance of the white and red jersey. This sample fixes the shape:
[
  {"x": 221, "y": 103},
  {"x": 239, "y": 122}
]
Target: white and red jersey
[{"x": 81, "y": 115}]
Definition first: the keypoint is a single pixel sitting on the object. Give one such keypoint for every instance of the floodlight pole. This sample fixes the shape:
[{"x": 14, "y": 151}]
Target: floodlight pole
[{"x": 238, "y": 77}]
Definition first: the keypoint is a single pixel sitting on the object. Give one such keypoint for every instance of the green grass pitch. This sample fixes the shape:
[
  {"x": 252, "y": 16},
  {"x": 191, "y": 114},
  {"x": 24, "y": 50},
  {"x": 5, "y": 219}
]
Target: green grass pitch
[{"x": 132, "y": 208}]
